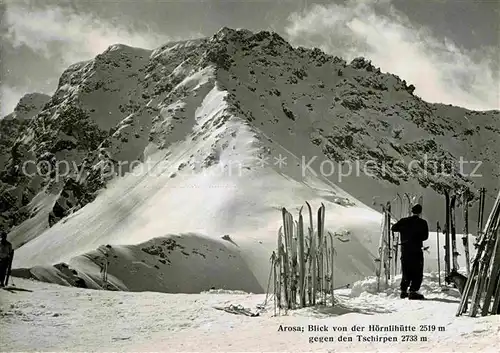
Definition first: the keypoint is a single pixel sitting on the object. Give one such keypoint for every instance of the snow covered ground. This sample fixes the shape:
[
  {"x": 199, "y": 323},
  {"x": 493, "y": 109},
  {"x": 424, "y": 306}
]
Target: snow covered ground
[{"x": 55, "y": 318}]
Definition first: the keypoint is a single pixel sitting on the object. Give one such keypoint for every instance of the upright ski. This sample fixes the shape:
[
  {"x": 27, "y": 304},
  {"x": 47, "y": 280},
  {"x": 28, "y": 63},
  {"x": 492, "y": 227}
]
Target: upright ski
[
  {"x": 482, "y": 194},
  {"x": 401, "y": 206},
  {"x": 387, "y": 254},
  {"x": 301, "y": 259},
  {"x": 408, "y": 198},
  {"x": 395, "y": 242},
  {"x": 465, "y": 237},
  {"x": 313, "y": 258},
  {"x": 321, "y": 244},
  {"x": 438, "y": 230},
  {"x": 379, "y": 262},
  {"x": 447, "y": 260},
  {"x": 453, "y": 232}
]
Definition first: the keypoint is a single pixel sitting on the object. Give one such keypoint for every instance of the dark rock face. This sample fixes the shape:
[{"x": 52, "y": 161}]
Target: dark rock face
[{"x": 108, "y": 110}]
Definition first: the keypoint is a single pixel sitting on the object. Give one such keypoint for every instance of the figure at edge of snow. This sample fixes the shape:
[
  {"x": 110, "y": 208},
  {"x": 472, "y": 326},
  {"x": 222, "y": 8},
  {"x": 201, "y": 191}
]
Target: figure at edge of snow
[
  {"x": 5, "y": 256},
  {"x": 413, "y": 232}
]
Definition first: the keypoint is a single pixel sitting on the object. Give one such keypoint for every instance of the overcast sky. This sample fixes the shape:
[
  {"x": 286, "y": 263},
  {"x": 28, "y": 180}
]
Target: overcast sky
[{"x": 449, "y": 49}]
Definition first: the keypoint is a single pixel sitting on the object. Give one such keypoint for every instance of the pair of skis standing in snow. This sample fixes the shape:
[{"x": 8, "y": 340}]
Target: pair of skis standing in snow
[
  {"x": 6, "y": 256},
  {"x": 450, "y": 230}
]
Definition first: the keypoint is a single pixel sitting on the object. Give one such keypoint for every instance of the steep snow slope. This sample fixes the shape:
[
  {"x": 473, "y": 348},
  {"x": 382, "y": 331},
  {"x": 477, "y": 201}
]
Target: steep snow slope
[
  {"x": 154, "y": 202},
  {"x": 69, "y": 319},
  {"x": 211, "y": 137}
]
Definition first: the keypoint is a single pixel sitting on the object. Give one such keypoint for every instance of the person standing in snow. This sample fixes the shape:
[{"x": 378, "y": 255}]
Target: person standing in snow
[
  {"x": 104, "y": 268},
  {"x": 413, "y": 232},
  {"x": 5, "y": 255}
]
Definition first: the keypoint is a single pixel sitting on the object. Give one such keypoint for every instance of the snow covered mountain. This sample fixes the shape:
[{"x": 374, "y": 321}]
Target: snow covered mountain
[{"x": 176, "y": 161}]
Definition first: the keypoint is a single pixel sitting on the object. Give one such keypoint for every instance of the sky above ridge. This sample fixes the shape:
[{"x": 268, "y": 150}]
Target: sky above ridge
[{"x": 449, "y": 49}]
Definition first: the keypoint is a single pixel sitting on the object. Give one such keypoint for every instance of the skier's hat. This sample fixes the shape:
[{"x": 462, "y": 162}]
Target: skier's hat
[{"x": 417, "y": 209}]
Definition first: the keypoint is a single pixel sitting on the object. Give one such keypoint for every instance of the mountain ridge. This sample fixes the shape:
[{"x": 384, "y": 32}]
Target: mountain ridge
[{"x": 234, "y": 99}]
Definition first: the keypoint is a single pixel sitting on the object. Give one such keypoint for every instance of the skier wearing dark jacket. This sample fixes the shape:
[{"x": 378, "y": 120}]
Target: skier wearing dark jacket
[
  {"x": 5, "y": 256},
  {"x": 413, "y": 232}
]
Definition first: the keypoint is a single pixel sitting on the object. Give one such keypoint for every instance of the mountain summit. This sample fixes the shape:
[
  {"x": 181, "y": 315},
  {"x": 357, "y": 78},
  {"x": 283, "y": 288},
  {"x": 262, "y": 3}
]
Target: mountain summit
[{"x": 182, "y": 145}]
